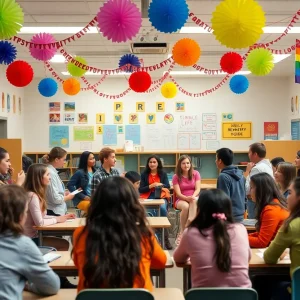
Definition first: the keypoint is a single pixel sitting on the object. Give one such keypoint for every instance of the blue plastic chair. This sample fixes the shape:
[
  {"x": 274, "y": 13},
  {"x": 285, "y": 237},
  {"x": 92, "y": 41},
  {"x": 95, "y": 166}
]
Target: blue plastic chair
[
  {"x": 296, "y": 284},
  {"x": 221, "y": 293},
  {"x": 114, "y": 294}
]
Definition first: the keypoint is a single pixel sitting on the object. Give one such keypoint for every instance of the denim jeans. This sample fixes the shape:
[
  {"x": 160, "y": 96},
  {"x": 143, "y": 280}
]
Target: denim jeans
[
  {"x": 163, "y": 210},
  {"x": 251, "y": 209}
]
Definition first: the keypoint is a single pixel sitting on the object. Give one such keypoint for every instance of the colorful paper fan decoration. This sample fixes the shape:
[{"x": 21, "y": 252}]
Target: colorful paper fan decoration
[
  {"x": 129, "y": 59},
  {"x": 47, "y": 87},
  {"x": 71, "y": 86},
  {"x": 19, "y": 73},
  {"x": 186, "y": 52},
  {"x": 168, "y": 15},
  {"x": 43, "y": 54},
  {"x": 8, "y": 52},
  {"x": 231, "y": 62},
  {"x": 140, "y": 81},
  {"x": 11, "y": 18},
  {"x": 239, "y": 84},
  {"x": 260, "y": 62},
  {"x": 238, "y": 23},
  {"x": 74, "y": 70},
  {"x": 169, "y": 90},
  {"x": 119, "y": 20}
]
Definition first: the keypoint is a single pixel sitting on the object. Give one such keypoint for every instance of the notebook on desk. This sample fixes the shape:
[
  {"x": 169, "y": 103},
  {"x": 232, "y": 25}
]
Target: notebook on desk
[
  {"x": 51, "y": 256},
  {"x": 249, "y": 222}
]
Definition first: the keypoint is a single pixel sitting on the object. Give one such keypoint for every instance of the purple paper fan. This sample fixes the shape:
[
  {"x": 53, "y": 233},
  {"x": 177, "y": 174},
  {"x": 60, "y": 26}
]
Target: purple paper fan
[
  {"x": 43, "y": 54},
  {"x": 119, "y": 20}
]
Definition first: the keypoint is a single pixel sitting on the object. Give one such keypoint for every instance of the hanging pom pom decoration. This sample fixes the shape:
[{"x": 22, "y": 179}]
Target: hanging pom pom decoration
[
  {"x": 71, "y": 86},
  {"x": 168, "y": 16},
  {"x": 129, "y": 59},
  {"x": 169, "y": 90},
  {"x": 260, "y": 62},
  {"x": 239, "y": 84},
  {"x": 74, "y": 70},
  {"x": 47, "y": 87},
  {"x": 19, "y": 73},
  {"x": 46, "y": 53},
  {"x": 11, "y": 20},
  {"x": 140, "y": 81},
  {"x": 186, "y": 52},
  {"x": 8, "y": 52},
  {"x": 119, "y": 20},
  {"x": 231, "y": 62},
  {"x": 238, "y": 23}
]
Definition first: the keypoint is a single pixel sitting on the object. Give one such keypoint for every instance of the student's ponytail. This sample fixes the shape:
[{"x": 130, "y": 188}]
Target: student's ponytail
[{"x": 223, "y": 245}]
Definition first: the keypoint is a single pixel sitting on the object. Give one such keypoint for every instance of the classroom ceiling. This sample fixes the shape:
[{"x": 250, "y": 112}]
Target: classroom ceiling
[{"x": 100, "y": 52}]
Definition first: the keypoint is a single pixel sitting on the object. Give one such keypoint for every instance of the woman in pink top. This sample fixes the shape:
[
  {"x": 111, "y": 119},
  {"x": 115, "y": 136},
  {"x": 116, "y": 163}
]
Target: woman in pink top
[
  {"x": 186, "y": 184},
  {"x": 37, "y": 179},
  {"x": 218, "y": 248}
]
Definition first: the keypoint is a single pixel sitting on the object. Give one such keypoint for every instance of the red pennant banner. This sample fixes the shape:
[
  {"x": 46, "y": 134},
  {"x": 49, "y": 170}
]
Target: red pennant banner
[
  {"x": 200, "y": 23},
  {"x": 288, "y": 50},
  {"x": 202, "y": 94}
]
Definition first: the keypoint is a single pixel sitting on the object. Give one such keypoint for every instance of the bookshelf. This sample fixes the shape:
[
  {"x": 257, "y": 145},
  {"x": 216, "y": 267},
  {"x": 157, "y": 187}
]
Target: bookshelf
[{"x": 203, "y": 161}]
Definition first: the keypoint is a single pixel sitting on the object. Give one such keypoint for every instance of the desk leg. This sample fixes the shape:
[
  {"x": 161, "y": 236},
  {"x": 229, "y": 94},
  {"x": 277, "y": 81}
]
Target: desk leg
[
  {"x": 40, "y": 238},
  {"x": 162, "y": 278},
  {"x": 157, "y": 281},
  {"x": 185, "y": 280},
  {"x": 163, "y": 238},
  {"x": 158, "y": 211}
]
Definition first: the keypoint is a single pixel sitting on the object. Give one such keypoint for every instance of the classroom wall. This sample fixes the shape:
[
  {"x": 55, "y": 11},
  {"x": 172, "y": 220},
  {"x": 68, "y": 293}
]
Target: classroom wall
[
  {"x": 293, "y": 92},
  {"x": 266, "y": 100},
  {"x": 15, "y": 118}
]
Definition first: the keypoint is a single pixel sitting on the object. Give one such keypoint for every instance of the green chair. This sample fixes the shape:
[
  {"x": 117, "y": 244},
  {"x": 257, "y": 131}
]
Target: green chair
[
  {"x": 221, "y": 294},
  {"x": 114, "y": 294},
  {"x": 296, "y": 284}
]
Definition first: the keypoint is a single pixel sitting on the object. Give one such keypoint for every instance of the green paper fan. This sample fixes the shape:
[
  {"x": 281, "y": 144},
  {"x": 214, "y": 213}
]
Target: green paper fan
[
  {"x": 74, "y": 70},
  {"x": 260, "y": 62},
  {"x": 11, "y": 18}
]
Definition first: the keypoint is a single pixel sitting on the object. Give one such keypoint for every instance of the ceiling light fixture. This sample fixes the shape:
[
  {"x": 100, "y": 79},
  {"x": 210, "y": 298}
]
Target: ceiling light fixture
[
  {"x": 98, "y": 74},
  {"x": 195, "y": 73}
]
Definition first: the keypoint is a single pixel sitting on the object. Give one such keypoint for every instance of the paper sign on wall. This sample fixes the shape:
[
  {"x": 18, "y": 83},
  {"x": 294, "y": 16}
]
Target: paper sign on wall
[
  {"x": 118, "y": 119},
  {"x": 209, "y": 135},
  {"x": 227, "y": 117},
  {"x": 270, "y": 130},
  {"x": 237, "y": 130},
  {"x": 189, "y": 123},
  {"x": 133, "y": 132},
  {"x": 151, "y": 118},
  {"x": 110, "y": 135},
  {"x": 160, "y": 106},
  {"x": 83, "y": 133},
  {"x": 69, "y": 118},
  {"x": 206, "y": 117},
  {"x": 209, "y": 126},
  {"x": 59, "y": 136},
  {"x": 133, "y": 118}
]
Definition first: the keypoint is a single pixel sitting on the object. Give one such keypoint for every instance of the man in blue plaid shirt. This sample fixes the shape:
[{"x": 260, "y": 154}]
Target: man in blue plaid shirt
[{"x": 107, "y": 156}]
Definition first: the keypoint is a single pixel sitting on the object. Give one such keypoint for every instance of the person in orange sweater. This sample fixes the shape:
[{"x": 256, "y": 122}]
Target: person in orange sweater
[
  {"x": 116, "y": 248},
  {"x": 270, "y": 207}
]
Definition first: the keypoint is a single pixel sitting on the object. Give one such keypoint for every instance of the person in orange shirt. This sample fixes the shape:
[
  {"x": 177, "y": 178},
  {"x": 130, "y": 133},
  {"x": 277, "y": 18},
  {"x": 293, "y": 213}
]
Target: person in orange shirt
[
  {"x": 116, "y": 248},
  {"x": 270, "y": 207}
]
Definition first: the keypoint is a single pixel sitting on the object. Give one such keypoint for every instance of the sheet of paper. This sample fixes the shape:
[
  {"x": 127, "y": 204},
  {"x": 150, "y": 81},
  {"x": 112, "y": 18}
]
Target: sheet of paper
[
  {"x": 51, "y": 256},
  {"x": 76, "y": 192}
]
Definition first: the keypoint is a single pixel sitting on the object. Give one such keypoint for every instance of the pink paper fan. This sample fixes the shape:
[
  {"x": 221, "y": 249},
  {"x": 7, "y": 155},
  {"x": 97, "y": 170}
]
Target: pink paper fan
[
  {"x": 43, "y": 54},
  {"x": 119, "y": 20}
]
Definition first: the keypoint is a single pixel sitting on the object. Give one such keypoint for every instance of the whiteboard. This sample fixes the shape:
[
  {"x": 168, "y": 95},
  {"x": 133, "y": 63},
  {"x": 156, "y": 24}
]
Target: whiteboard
[
  {"x": 189, "y": 123},
  {"x": 195, "y": 141},
  {"x": 183, "y": 141}
]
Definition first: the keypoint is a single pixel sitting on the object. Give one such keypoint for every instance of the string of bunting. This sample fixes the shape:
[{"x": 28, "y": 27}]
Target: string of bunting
[
  {"x": 288, "y": 50},
  {"x": 91, "y": 86},
  {"x": 202, "y": 94}
]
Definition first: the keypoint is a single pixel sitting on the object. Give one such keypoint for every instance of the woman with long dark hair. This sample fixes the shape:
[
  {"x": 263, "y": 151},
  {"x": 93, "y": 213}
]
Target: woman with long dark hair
[
  {"x": 83, "y": 177},
  {"x": 284, "y": 175},
  {"x": 270, "y": 208},
  {"x": 154, "y": 177},
  {"x": 288, "y": 236},
  {"x": 218, "y": 247},
  {"x": 116, "y": 246}
]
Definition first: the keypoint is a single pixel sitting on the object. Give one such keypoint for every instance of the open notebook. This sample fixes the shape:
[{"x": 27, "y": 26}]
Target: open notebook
[{"x": 51, "y": 256}]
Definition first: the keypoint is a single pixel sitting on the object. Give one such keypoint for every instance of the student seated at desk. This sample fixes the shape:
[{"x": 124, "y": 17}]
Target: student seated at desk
[
  {"x": 270, "y": 207},
  {"x": 217, "y": 247},
  {"x": 134, "y": 178},
  {"x": 284, "y": 176},
  {"x": 116, "y": 248},
  {"x": 186, "y": 184},
  {"x": 154, "y": 176},
  {"x": 288, "y": 236},
  {"x": 36, "y": 182},
  {"x": 20, "y": 259}
]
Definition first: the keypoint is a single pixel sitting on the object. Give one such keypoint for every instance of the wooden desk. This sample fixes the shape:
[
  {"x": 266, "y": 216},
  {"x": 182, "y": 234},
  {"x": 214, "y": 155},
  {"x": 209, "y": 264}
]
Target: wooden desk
[
  {"x": 64, "y": 266},
  {"x": 67, "y": 228},
  {"x": 206, "y": 186},
  {"x": 70, "y": 294},
  {"x": 250, "y": 229},
  {"x": 153, "y": 204},
  {"x": 257, "y": 266}
]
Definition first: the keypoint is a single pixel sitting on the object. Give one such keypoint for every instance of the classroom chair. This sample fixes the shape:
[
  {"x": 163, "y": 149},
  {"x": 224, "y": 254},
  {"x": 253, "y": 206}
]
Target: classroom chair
[
  {"x": 296, "y": 284},
  {"x": 176, "y": 228},
  {"x": 221, "y": 293},
  {"x": 114, "y": 294}
]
